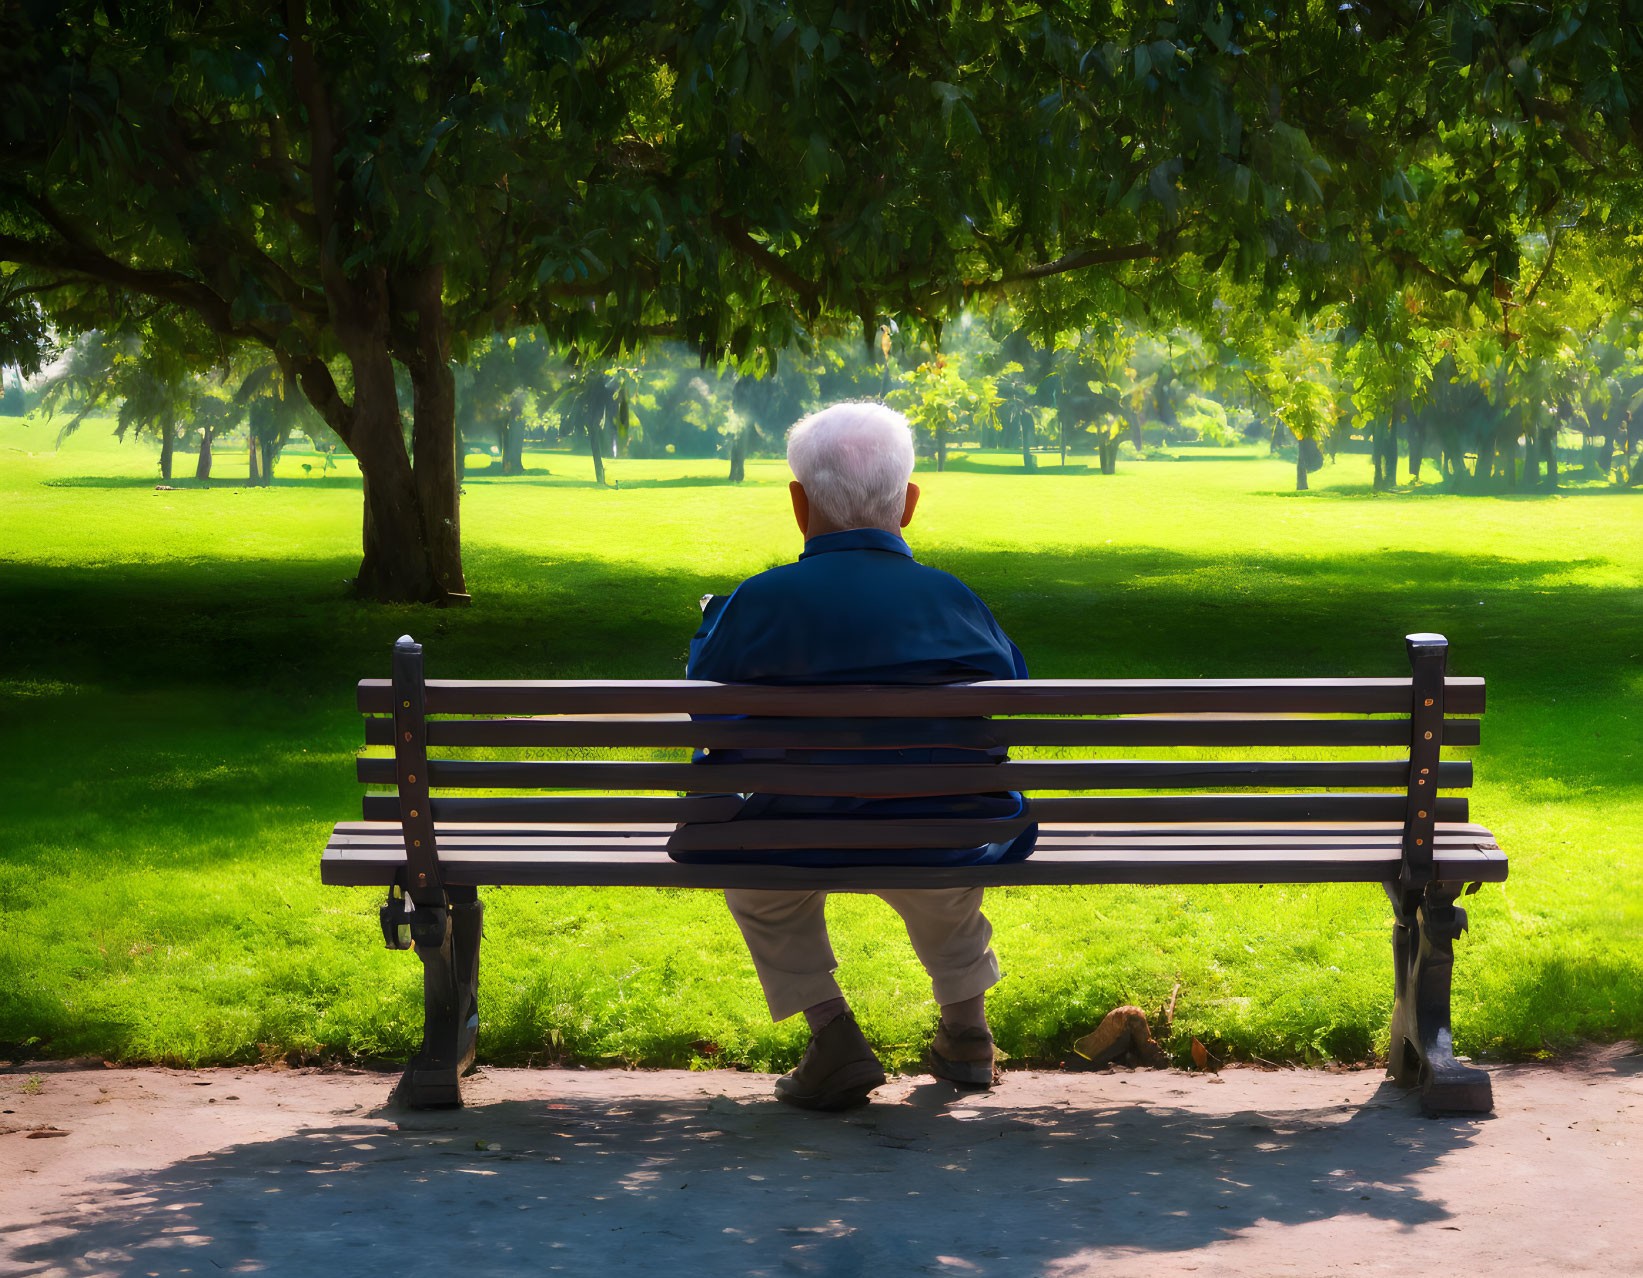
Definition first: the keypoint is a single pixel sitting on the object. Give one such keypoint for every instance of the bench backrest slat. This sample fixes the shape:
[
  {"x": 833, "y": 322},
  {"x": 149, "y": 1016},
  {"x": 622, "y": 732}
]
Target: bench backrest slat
[
  {"x": 869, "y": 780},
  {"x": 994, "y": 697},
  {"x": 661, "y": 731}
]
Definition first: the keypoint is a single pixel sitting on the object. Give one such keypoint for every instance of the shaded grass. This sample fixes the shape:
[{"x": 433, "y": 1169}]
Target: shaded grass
[{"x": 176, "y": 731}]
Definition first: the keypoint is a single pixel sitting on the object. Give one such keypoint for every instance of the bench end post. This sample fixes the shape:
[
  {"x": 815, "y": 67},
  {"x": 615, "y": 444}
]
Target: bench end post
[
  {"x": 1427, "y": 921},
  {"x": 1429, "y": 663},
  {"x": 445, "y": 927}
]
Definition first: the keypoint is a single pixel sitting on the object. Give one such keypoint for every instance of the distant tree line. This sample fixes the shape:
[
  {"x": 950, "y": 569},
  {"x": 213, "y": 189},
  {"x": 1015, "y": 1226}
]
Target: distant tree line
[{"x": 1489, "y": 416}]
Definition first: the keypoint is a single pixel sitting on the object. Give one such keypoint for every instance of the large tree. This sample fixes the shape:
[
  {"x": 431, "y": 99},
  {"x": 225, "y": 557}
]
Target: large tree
[{"x": 355, "y": 187}]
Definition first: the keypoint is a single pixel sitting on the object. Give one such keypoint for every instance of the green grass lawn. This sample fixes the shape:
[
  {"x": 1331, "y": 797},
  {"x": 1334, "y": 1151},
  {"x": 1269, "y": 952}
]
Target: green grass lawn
[{"x": 177, "y": 730}]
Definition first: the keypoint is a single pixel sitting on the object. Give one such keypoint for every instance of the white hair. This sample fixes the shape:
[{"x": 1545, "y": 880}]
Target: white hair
[{"x": 854, "y": 460}]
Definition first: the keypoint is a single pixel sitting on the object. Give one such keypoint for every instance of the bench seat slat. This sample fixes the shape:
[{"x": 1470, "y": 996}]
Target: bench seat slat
[
  {"x": 1074, "y": 855},
  {"x": 1138, "y": 829},
  {"x": 380, "y": 836},
  {"x": 889, "y": 780},
  {"x": 678, "y": 730},
  {"x": 1003, "y": 696}
]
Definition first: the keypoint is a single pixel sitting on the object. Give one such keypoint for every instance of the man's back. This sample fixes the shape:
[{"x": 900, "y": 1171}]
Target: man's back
[{"x": 856, "y": 608}]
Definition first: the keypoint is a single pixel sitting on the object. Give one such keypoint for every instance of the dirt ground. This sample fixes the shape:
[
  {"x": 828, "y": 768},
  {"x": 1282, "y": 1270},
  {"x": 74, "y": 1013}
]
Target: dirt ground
[{"x": 305, "y": 1172}]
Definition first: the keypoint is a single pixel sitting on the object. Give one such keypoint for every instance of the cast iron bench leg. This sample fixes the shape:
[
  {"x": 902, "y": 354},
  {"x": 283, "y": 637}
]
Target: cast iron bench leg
[
  {"x": 448, "y": 945},
  {"x": 1422, "y": 1050}
]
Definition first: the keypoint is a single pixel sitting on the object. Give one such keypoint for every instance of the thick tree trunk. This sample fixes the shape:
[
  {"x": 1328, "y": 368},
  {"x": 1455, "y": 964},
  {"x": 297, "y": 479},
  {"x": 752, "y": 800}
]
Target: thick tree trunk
[
  {"x": 1416, "y": 430},
  {"x": 202, "y": 468},
  {"x": 1300, "y": 472},
  {"x": 254, "y": 476},
  {"x": 270, "y": 454},
  {"x": 167, "y": 443},
  {"x": 1109, "y": 454},
  {"x": 1531, "y": 460},
  {"x": 433, "y": 440},
  {"x": 397, "y": 566},
  {"x": 1029, "y": 463}
]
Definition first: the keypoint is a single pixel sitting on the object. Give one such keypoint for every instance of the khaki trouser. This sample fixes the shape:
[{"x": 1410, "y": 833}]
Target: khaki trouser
[{"x": 786, "y": 932}]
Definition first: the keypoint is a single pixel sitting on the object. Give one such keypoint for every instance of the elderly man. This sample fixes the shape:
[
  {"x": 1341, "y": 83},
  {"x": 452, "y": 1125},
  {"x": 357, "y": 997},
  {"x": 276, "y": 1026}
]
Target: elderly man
[{"x": 857, "y": 608}]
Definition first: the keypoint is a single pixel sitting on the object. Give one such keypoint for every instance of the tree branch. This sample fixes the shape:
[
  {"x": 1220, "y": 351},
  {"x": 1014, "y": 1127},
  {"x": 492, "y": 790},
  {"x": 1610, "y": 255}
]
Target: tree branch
[
  {"x": 1408, "y": 261},
  {"x": 314, "y": 376},
  {"x": 770, "y": 262},
  {"x": 1101, "y": 255},
  {"x": 90, "y": 263}
]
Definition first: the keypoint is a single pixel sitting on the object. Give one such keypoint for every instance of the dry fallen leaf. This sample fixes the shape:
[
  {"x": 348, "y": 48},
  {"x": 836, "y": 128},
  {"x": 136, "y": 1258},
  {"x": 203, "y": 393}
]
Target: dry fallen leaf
[{"x": 1201, "y": 1057}]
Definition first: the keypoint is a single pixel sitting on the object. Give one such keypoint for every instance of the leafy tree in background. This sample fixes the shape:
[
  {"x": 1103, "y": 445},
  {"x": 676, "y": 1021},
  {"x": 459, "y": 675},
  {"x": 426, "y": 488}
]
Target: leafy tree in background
[
  {"x": 940, "y": 398},
  {"x": 154, "y": 384},
  {"x": 212, "y": 412},
  {"x": 766, "y": 406},
  {"x": 274, "y": 409},
  {"x": 494, "y": 390},
  {"x": 1017, "y": 393},
  {"x": 1098, "y": 390}
]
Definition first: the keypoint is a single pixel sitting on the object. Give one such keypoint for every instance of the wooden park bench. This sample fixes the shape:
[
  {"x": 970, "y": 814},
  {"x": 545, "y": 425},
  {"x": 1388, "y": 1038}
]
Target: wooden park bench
[{"x": 1181, "y": 820}]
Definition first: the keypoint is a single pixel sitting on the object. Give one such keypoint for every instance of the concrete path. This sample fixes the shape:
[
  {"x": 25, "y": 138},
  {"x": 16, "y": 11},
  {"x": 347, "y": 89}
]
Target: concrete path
[{"x": 611, "y": 1172}]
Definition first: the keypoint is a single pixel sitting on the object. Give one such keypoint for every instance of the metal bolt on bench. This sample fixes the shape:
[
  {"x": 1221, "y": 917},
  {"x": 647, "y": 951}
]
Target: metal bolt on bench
[{"x": 1203, "y": 820}]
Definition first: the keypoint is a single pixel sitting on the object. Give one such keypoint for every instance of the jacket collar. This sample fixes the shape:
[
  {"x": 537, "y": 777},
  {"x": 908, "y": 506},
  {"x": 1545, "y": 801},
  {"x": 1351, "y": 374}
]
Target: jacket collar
[{"x": 856, "y": 539}]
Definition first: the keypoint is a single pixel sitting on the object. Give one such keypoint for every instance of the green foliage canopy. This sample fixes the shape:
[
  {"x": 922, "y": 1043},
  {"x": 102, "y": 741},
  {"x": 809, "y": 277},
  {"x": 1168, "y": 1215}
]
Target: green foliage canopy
[{"x": 356, "y": 189}]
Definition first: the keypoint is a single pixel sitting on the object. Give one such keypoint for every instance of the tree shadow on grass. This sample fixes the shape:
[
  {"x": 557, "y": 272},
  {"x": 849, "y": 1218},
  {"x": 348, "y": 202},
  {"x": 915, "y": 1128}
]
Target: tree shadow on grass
[
  {"x": 713, "y": 1185},
  {"x": 280, "y": 640},
  {"x": 1426, "y": 492},
  {"x": 190, "y": 484},
  {"x": 615, "y": 482},
  {"x": 1047, "y": 465}
]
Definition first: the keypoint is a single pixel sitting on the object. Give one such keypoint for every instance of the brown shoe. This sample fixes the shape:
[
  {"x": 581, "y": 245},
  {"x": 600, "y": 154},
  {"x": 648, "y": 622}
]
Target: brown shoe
[
  {"x": 838, "y": 1069},
  {"x": 963, "y": 1057}
]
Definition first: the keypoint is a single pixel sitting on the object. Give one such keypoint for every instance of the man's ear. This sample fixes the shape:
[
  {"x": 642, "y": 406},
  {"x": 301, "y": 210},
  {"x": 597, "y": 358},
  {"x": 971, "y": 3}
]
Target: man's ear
[
  {"x": 801, "y": 506},
  {"x": 912, "y": 504}
]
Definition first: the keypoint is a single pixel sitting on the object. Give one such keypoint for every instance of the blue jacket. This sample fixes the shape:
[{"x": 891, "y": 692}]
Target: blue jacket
[{"x": 858, "y": 608}]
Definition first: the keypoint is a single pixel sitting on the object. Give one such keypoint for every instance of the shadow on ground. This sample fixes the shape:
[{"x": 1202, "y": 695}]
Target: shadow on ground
[{"x": 712, "y": 1184}]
